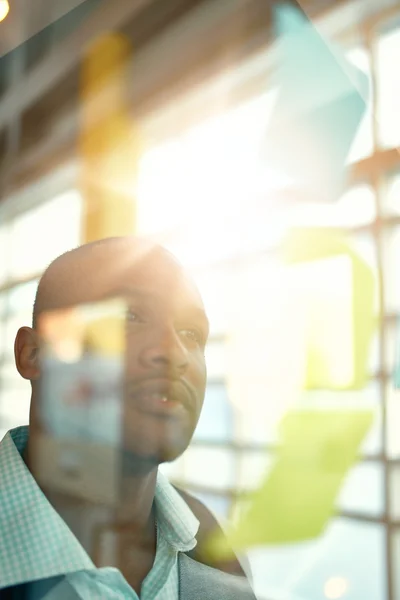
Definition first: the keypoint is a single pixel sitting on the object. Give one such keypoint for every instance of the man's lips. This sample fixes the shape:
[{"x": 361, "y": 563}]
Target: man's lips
[{"x": 161, "y": 396}]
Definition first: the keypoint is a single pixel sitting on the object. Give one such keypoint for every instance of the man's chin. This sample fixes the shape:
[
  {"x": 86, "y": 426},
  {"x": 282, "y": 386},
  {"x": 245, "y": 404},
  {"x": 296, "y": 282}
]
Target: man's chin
[{"x": 149, "y": 455}]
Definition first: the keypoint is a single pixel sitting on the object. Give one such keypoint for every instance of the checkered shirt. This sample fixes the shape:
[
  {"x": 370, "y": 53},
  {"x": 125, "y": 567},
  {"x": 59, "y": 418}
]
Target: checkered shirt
[{"x": 36, "y": 544}]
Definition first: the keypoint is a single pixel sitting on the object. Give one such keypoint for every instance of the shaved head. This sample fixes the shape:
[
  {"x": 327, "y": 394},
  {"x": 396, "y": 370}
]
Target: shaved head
[{"x": 94, "y": 271}]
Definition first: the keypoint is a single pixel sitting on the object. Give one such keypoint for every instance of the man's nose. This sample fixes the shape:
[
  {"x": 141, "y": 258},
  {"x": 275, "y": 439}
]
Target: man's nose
[{"x": 165, "y": 350}]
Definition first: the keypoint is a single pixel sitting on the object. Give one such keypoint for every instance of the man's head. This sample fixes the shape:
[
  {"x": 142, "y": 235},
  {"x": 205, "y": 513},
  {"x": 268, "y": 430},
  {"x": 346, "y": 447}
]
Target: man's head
[{"x": 166, "y": 331}]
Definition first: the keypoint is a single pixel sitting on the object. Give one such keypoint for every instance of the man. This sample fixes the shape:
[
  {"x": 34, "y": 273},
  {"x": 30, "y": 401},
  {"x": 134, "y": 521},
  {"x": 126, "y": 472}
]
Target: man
[{"x": 46, "y": 546}]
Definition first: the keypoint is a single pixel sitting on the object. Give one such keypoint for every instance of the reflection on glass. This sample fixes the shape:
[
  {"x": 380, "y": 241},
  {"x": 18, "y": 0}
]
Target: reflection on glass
[
  {"x": 216, "y": 419},
  {"x": 391, "y": 273},
  {"x": 212, "y": 468},
  {"x": 395, "y": 544},
  {"x": 392, "y": 421},
  {"x": 365, "y": 476},
  {"x": 388, "y": 84},
  {"x": 356, "y": 207},
  {"x": 219, "y": 505},
  {"x": 348, "y": 552},
  {"x": 391, "y": 196},
  {"x": 4, "y": 248},
  {"x": 14, "y": 404},
  {"x": 394, "y": 492},
  {"x": 252, "y": 468},
  {"x": 22, "y": 297},
  {"x": 40, "y": 231},
  {"x": 216, "y": 359},
  {"x": 363, "y": 142}
]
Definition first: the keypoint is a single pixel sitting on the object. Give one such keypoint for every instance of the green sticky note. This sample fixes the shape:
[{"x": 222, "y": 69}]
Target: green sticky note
[{"x": 297, "y": 498}]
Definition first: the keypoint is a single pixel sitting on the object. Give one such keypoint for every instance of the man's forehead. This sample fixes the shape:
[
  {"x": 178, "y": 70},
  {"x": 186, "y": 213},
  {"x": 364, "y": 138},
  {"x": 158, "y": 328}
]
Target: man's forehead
[{"x": 96, "y": 271}]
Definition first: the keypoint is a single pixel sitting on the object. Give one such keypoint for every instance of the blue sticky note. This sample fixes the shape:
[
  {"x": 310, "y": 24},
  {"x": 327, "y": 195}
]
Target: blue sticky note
[{"x": 322, "y": 98}]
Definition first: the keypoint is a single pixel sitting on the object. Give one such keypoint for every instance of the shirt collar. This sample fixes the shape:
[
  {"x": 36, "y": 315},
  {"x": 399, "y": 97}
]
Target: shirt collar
[
  {"x": 174, "y": 517},
  {"x": 36, "y": 543}
]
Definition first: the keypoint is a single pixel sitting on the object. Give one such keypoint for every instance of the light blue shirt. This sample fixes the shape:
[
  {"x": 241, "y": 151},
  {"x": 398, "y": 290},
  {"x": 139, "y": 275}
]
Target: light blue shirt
[{"x": 36, "y": 544}]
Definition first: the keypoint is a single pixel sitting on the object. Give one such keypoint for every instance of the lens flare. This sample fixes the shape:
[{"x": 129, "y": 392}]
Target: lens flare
[{"x": 4, "y": 9}]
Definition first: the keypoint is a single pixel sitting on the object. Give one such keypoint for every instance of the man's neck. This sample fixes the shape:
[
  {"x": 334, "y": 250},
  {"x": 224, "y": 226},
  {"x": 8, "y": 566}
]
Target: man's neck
[{"x": 132, "y": 515}]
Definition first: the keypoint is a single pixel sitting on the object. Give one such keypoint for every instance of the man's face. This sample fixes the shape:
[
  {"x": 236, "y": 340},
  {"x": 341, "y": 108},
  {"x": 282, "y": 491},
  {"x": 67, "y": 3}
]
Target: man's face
[{"x": 165, "y": 372}]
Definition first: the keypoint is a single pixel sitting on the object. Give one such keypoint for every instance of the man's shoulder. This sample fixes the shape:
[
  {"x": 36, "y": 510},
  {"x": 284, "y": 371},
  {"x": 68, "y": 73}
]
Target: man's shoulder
[{"x": 209, "y": 525}]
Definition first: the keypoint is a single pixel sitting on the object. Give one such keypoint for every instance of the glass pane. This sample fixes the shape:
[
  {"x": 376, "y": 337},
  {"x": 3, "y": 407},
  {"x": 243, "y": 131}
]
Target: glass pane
[
  {"x": 216, "y": 419},
  {"x": 209, "y": 467},
  {"x": 3, "y": 303},
  {"x": 391, "y": 196},
  {"x": 42, "y": 234},
  {"x": 215, "y": 359},
  {"x": 206, "y": 167},
  {"x": 9, "y": 376},
  {"x": 388, "y": 84},
  {"x": 4, "y": 250},
  {"x": 365, "y": 246},
  {"x": 218, "y": 505},
  {"x": 174, "y": 470},
  {"x": 365, "y": 476},
  {"x": 363, "y": 142},
  {"x": 374, "y": 358},
  {"x": 391, "y": 273},
  {"x": 251, "y": 429},
  {"x": 214, "y": 286},
  {"x": 396, "y": 561},
  {"x": 392, "y": 348},
  {"x": 347, "y": 562},
  {"x": 22, "y": 297},
  {"x": 14, "y": 406},
  {"x": 394, "y": 493},
  {"x": 393, "y": 421},
  {"x": 354, "y": 208},
  {"x": 253, "y": 468},
  {"x": 368, "y": 398}
]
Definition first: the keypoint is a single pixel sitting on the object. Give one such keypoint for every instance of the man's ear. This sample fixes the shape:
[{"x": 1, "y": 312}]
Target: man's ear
[{"x": 26, "y": 352}]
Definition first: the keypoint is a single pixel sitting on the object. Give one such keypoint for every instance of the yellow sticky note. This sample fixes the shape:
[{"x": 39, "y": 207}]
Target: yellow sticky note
[{"x": 338, "y": 288}]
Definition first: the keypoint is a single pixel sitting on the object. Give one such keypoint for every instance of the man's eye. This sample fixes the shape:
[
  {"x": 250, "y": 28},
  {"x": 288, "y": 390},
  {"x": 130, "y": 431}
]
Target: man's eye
[
  {"x": 193, "y": 335},
  {"x": 132, "y": 316}
]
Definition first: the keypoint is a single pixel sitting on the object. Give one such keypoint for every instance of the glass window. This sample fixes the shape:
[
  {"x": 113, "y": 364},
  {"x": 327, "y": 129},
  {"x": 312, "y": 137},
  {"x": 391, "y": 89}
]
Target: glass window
[
  {"x": 40, "y": 235},
  {"x": 216, "y": 419},
  {"x": 174, "y": 470},
  {"x": 20, "y": 307},
  {"x": 391, "y": 196},
  {"x": 367, "y": 398},
  {"x": 348, "y": 561},
  {"x": 388, "y": 87},
  {"x": 396, "y": 561},
  {"x": 215, "y": 359},
  {"x": 364, "y": 476},
  {"x": 363, "y": 141},
  {"x": 215, "y": 285},
  {"x": 355, "y": 207},
  {"x": 392, "y": 348},
  {"x": 391, "y": 274},
  {"x": 22, "y": 297},
  {"x": 209, "y": 467},
  {"x": 253, "y": 468},
  {"x": 392, "y": 421},
  {"x": 251, "y": 429},
  {"x": 218, "y": 505},
  {"x": 4, "y": 249},
  {"x": 394, "y": 493},
  {"x": 14, "y": 406}
]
